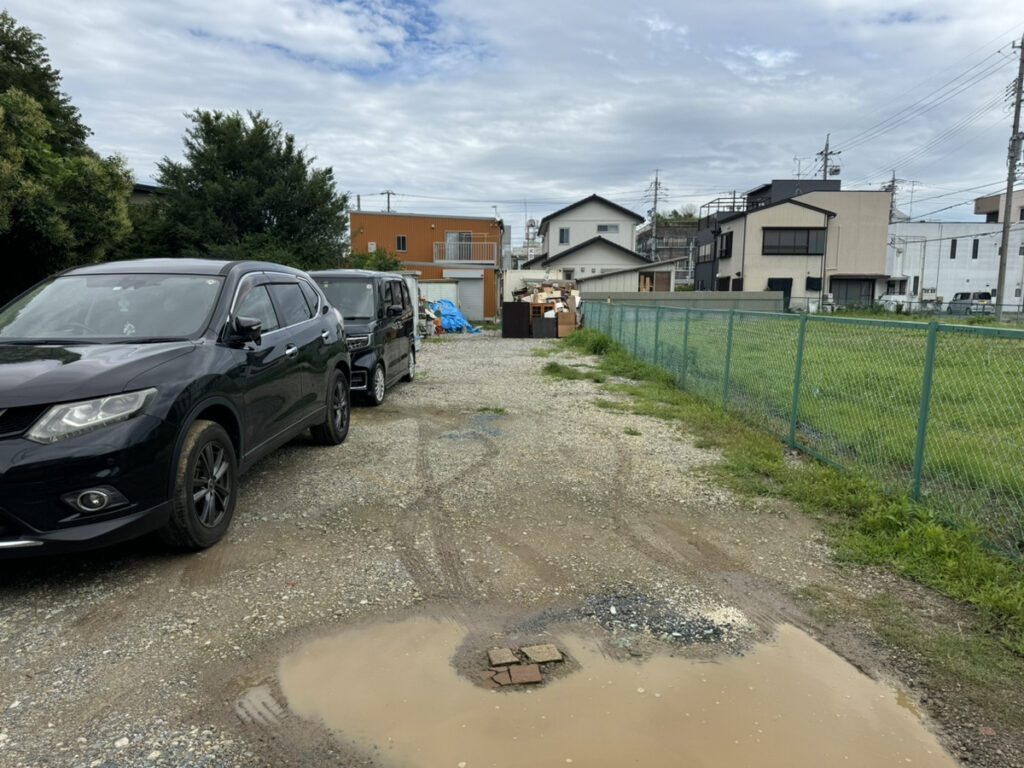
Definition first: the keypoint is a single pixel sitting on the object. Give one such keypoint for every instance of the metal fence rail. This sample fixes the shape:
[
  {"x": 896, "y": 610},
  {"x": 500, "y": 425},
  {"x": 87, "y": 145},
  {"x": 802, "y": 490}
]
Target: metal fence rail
[{"x": 931, "y": 409}]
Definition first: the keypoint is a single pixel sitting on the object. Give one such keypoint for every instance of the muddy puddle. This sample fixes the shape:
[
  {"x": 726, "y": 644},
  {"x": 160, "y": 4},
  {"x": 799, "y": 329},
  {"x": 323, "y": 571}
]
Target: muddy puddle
[{"x": 791, "y": 703}]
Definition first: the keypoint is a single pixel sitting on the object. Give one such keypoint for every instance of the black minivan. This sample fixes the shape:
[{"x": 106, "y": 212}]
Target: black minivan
[{"x": 380, "y": 327}]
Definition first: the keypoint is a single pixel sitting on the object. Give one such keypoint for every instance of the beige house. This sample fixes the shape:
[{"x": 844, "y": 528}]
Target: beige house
[{"x": 810, "y": 246}]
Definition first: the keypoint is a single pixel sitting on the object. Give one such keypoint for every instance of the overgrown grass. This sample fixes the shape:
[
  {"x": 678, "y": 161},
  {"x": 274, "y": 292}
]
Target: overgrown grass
[
  {"x": 869, "y": 524},
  {"x": 489, "y": 409}
]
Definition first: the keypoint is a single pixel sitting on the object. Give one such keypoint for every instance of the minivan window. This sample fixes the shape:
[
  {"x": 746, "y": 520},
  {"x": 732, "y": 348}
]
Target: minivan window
[
  {"x": 291, "y": 305},
  {"x": 135, "y": 306},
  {"x": 310, "y": 294},
  {"x": 389, "y": 296},
  {"x": 353, "y": 298}
]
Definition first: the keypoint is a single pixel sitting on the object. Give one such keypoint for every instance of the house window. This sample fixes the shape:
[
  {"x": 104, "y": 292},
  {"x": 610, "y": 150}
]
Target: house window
[
  {"x": 737, "y": 283},
  {"x": 725, "y": 245},
  {"x": 916, "y": 284},
  {"x": 722, "y": 284},
  {"x": 786, "y": 241},
  {"x": 567, "y": 274},
  {"x": 974, "y": 249},
  {"x": 400, "y": 243},
  {"x": 612, "y": 229},
  {"x": 812, "y": 284},
  {"x": 563, "y": 236},
  {"x": 952, "y": 249}
]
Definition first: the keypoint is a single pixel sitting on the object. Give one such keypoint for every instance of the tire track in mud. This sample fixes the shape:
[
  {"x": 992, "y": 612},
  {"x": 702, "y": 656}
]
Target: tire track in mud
[
  {"x": 761, "y": 600},
  {"x": 439, "y": 572}
]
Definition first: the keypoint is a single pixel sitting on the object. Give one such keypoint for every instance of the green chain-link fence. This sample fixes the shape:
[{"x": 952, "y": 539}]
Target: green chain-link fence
[{"x": 935, "y": 410}]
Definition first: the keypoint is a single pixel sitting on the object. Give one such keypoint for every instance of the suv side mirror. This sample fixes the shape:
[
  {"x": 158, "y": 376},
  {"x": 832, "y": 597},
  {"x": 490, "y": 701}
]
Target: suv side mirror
[{"x": 247, "y": 329}]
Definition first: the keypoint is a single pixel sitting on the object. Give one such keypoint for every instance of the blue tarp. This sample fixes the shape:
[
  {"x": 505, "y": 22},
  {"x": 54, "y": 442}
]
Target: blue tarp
[{"x": 451, "y": 319}]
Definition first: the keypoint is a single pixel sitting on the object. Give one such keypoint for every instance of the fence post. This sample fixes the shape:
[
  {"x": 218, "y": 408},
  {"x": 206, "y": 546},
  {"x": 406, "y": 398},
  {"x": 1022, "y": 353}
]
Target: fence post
[
  {"x": 686, "y": 343},
  {"x": 728, "y": 360},
  {"x": 796, "y": 380},
  {"x": 636, "y": 333},
  {"x": 622, "y": 313},
  {"x": 657, "y": 332},
  {"x": 926, "y": 401}
]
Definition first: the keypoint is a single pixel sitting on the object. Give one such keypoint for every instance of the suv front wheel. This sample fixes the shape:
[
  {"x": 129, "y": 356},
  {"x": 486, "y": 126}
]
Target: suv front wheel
[{"x": 205, "y": 488}]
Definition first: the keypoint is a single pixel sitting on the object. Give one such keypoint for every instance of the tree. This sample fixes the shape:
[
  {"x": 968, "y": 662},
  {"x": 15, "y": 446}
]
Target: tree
[
  {"x": 57, "y": 208},
  {"x": 25, "y": 66},
  {"x": 245, "y": 191},
  {"x": 378, "y": 261}
]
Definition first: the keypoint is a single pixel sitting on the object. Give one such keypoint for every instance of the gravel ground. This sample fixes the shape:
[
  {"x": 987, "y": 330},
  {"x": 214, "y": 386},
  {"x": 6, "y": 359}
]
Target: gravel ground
[{"x": 482, "y": 491}]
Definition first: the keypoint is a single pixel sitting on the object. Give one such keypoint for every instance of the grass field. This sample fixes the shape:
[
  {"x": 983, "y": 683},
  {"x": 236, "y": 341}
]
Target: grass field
[{"x": 860, "y": 396}]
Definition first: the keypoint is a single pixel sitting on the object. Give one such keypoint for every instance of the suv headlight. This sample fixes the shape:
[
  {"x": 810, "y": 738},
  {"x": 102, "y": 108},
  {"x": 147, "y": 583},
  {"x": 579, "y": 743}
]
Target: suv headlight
[{"x": 73, "y": 419}]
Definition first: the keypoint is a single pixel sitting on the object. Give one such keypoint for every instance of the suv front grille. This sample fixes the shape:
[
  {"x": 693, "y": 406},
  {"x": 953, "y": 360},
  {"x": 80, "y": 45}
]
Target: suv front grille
[{"x": 14, "y": 421}]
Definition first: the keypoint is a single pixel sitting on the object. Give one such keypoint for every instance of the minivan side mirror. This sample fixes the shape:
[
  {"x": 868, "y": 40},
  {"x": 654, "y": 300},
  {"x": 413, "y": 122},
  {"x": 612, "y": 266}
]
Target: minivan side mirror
[
  {"x": 394, "y": 310},
  {"x": 247, "y": 329}
]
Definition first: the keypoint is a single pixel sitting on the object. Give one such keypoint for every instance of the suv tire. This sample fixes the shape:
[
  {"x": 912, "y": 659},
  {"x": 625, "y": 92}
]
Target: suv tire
[{"x": 334, "y": 429}]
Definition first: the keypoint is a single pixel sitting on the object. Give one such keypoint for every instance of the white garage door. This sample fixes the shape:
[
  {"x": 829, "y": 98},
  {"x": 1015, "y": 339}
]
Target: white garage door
[
  {"x": 471, "y": 298},
  {"x": 436, "y": 291}
]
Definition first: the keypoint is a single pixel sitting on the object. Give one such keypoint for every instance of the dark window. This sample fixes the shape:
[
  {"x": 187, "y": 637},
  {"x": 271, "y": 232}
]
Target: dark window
[
  {"x": 793, "y": 242},
  {"x": 256, "y": 304},
  {"x": 310, "y": 294},
  {"x": 722, "y": 284},
  {"x": 725, "y": 245},
  {"x": 1021, "y": 216},
  {"x": 952, "y": 249},
  {"x": 290, "y": 304},
  {"x": 916, "y": 284},
  {"x": 563, "y": 236},
  {"x": 991, "y": 217},
  {"x": 400, "y": 243},
  {"x": 737, "y": 284},
  {"x": 609, "y": 228},
  {"x": 974, "y": 249},
  {"x": 406, "y": 300},
  {"x": 389, "y": 294},
  {"x": 812, "y": 284}
]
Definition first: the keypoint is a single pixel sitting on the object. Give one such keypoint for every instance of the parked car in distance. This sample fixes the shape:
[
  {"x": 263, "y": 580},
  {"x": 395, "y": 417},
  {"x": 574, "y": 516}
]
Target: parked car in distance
[
  {"x": 380, "y": 327},
  {"x": 971, "y": 303},
  {"x": 134, "y": 394}
]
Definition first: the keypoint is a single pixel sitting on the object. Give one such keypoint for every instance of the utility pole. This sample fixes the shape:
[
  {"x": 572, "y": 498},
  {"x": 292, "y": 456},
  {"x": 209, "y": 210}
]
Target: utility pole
[
  {"x": 825, "y": 154},
  {"x": 389, "y": 193},
  {"x": 1016, "y": 140},
  {"x": 654, "y": 219}
]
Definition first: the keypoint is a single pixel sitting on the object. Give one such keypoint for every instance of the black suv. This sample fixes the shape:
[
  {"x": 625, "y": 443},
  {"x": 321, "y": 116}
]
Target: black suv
[
  {"x": 133, "y": 394},
  {"x": 380, "y": 327}
]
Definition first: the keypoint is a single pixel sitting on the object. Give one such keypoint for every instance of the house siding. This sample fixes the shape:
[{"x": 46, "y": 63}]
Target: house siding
[{"x": 582, "y": 222}]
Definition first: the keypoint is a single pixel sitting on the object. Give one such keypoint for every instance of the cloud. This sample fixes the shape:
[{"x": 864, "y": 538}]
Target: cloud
[{"x": 456, "y": 100}]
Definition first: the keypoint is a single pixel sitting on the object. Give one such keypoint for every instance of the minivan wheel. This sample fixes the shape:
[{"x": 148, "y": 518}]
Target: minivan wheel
[
  {"x": 205, "y": 488},
  {"x": 376, "y": 391},
  {"x": 334, "y": 429},
  {"x": 411, "y": 374}
]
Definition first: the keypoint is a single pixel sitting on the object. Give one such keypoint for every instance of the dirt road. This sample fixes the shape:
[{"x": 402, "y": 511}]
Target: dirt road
[{"x": 484, "y": 495}]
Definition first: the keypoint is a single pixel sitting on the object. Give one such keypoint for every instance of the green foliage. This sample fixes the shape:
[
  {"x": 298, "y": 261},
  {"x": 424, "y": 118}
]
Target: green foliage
[
  {"x": 25, "y": 66},
  {"x": 59, "y": 207},
  {"x": 631, "y": 431},
  {"x": 685, "y": 288},
  {"x": 245, "y": 191},
  {"x": 378, "y": 261},
  {"x": 495, "y": 411}
]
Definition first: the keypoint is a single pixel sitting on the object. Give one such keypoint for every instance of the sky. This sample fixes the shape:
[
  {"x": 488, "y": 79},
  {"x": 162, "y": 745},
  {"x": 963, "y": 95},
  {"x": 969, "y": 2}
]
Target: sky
[{"x": 468, "y": 107}]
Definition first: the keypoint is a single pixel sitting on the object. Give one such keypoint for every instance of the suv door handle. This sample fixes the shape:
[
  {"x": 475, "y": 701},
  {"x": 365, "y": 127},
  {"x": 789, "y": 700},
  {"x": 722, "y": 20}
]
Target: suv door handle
[
  {"x": 291, "y": 350},
  {"x": 326, "y": 336}
]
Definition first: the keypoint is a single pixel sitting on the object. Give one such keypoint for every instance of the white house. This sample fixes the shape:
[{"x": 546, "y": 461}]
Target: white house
[
  {"x": 591, "y": 236},
  {"x": 928, "y": 261}
]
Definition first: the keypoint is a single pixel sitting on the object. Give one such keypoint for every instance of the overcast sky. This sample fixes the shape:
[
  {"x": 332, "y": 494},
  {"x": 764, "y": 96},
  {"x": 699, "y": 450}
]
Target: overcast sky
[{"x": 461, "y": 105}]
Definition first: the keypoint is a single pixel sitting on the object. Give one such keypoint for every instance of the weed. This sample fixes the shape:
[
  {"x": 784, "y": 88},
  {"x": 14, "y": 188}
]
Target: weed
[
  {"x": 488, "y": 409},
  {"x": 632, "y": 431},
  {"x": 560, "y": 371}
]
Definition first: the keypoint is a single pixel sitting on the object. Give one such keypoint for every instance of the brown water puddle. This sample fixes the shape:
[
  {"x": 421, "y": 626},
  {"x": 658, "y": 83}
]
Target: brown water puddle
[{"x": 790, "y": 703}]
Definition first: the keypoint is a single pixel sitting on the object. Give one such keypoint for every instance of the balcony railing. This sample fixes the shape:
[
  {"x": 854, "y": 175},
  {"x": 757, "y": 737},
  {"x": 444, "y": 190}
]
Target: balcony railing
[{"x": 480, "y": 253}]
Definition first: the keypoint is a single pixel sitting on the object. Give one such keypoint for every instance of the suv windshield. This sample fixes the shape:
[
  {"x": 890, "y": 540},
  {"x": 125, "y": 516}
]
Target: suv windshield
[
  {"x": 353, "y": 298},
  {"x": 123, "y": 307}
]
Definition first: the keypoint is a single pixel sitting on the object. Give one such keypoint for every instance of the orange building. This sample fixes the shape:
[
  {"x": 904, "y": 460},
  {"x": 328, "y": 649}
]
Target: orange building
[{"x": 456, "y": 256}]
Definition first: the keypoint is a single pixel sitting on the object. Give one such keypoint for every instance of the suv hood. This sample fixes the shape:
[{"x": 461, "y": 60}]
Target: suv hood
[{"x": 37, "y": 374}]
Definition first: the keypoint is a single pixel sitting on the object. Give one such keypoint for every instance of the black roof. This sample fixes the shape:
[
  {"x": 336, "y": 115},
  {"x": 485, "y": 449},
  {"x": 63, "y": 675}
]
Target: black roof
[
  {"x": 592, "y": 199},
  {"x": 592, "y": 241}
]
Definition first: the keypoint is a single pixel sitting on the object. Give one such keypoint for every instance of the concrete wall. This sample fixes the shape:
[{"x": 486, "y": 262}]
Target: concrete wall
[
  {"x": 753, "y": 301},
  {"x": 582, "y": 223}
]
